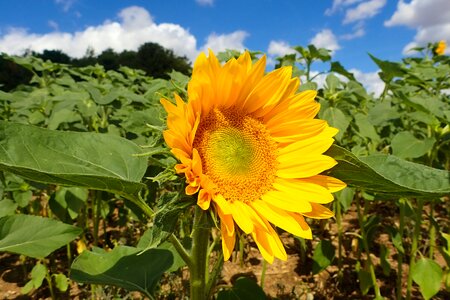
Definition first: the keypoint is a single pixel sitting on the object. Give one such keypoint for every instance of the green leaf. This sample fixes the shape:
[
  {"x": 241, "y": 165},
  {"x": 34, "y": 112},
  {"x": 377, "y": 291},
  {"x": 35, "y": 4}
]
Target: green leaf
[
  {"x": 22, "y": 197},
  {"x": 37, "y": 277},
  {"x": 406, "y": 145},
  {"x": 61, "y": 282},
  {"x": 323, "y": 256},
  {"x": 389, "y": 69},
  {"x": 243, "y": 289},
  {"x": 388, "y": 174},
  {"x": 67, "y": 202},
  {"x": 170, "y": 206},
  {"x": 397, "y": 239},
  {"x": 428, "y": 275},
  {"x": 365, "y": 281},
  {"x": 345, "y": 197},
  {"x": 7, "y": 207},
  {"x": 34, "y": 236},
  {"x": 124, "y": 266},
  {"x": 336, "y": 118},
  {"x": 385, "y": 265},
  {"x": 338, "y": 68},
  {"x": 366, "y": 129},
  {"x": 91, "y": 160}
]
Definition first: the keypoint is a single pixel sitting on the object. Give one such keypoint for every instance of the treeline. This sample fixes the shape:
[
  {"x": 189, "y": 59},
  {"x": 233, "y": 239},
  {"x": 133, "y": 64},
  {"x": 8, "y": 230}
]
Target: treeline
[{"x": 152, "y": 58}]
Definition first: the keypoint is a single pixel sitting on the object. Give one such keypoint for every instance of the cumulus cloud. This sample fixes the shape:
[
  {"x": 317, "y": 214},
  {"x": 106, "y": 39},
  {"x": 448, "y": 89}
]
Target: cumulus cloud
[
  {"x": 364, "y": 11},
  {"x": 325, "y": 39},
  {"x": 205, "y": 2},
  {"x": 134, "y": 28},
  {"x": 222, "y": 42},
  {"x": 279, "y": 48},
  {"x": 431, "y": 19}
]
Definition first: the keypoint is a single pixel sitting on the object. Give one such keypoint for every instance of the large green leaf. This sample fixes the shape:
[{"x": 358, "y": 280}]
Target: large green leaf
[
  {"x": 96, "y": 161},
  {"x": 126, "y": 267},
  {"x": 388, "y": 174},
  {"x": 34, "y": 236}
]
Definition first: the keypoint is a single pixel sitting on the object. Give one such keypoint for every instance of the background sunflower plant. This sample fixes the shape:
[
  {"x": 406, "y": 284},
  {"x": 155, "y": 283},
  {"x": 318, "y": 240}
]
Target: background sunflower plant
[{"x": 236, "y": 158}]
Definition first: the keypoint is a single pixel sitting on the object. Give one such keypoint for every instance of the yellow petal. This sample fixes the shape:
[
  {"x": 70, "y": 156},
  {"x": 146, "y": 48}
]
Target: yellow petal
[
  {"x": 330, "y": 183},
  {"x": 269, "y": 90},
  {"x": 305, "y": 166},
  {"x": 303, "y": 189},
  {"x": 286, "y": 201},
  {"x": 269, "y": 244},
  {"x": 319, "y": 212},
  {"x": 203, "y": 199},
  {"x": 277, "y": 217},
  {"x": 241, "y": 216}
]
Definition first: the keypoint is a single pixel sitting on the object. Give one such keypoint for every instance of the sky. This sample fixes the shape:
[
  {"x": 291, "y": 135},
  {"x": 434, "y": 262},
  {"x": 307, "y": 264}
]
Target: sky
[{"x": 386, "y": 29}]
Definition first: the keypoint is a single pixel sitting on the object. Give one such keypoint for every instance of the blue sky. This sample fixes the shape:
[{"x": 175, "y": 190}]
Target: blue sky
[{"x": 351, "y": 28}]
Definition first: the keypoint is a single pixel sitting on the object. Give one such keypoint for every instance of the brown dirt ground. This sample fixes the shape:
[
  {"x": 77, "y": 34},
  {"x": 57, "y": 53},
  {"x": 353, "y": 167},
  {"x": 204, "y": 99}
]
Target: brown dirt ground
[{"x": 291, "y": 279}]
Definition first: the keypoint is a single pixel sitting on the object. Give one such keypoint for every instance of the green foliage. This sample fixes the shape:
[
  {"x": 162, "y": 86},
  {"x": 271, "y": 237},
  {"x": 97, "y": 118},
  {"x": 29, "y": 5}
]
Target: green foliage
[
  {"x": 323, "y": 256},
  {"x": 127, "y": 267},
  {"x": 34, "y": 236},
  {"x": 243, "y": 288},
  {"x": 428, "y": 275},
  {"x": 91, "y": 160},
  {"x": 388, "y": 174}
]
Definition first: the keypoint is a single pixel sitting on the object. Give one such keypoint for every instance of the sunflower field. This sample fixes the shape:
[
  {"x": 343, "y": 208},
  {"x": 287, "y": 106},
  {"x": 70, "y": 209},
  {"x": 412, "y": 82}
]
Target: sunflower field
[{"x": 236, "y": 182}]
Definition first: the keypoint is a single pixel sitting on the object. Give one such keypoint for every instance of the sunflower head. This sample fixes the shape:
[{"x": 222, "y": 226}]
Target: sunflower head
[
  {"x": 440, "y": 48},
  {"x": 250, "y": 147}
]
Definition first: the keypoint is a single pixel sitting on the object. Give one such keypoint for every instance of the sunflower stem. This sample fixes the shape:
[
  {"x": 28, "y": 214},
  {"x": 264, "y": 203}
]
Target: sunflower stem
[
  {"x": 199, "y": 256},
  {"x": 414, "y": 246}
]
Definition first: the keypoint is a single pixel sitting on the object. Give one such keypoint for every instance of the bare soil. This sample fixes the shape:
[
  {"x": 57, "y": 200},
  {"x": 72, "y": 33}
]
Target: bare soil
[{"x": 292, "y": 279}]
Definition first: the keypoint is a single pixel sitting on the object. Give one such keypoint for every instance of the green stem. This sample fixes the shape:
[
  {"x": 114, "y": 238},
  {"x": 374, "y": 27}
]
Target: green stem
[
  {"x": 400, "y": 254},
  {"x": 48, "y": 278},
  {"x": 367, "y": 250},
  {"x": 263, "y": 273},
  {"x": 414, "y": 244},
  {"x": 214, "y": 274},
  {"x": 199, "y": 257},
  {"x": 432, "y": 232},
  {"x": 339, "y": 227},
  {"x": 180, "y": 249},
  {"x": 96, "y": 214}
]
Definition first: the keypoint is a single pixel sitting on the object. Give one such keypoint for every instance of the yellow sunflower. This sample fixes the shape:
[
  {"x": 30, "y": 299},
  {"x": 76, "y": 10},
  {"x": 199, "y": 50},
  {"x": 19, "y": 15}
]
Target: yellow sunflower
[
  {"x": 440, "y": 48},
  {"x": 249, "y": 145}
]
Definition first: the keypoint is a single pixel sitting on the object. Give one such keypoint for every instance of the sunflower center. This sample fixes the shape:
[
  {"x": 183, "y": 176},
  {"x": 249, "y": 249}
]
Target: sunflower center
[{"x": 237, "y": 153}]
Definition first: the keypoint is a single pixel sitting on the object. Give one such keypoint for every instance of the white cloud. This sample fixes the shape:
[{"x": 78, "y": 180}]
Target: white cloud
[
  {"x": 53, "y": 25},
  {"x": 222, "y": 42},
  {"x": 325, "y": 39},
  {"x": 370, "y": 80},
  {"x": 66, "y": 4},
  {"x": 205, "y": 2},
  {"x": 358, "y": 31},
  {"x": 338, "y": 4},
  {"x": 134, "y": 28},
  {"x": 279, "y": 48},
  {"x": 364, "y": 11},
  {"x": 421, "y": 13},
  {"x": 431, "y": 19}
]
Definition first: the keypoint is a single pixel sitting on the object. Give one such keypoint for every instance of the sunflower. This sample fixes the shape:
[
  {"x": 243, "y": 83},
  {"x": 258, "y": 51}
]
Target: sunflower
[
  {"x": 440, "y": 48},
  {"x": 249, "y": 145}
]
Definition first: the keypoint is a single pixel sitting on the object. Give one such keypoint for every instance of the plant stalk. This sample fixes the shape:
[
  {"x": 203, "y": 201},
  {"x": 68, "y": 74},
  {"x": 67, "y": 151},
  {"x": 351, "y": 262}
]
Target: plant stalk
[
  {"x": 367, "y": 250},
  {"x": 199, "y": 256},
  {"x": 401, "y": 229},
  {"x": 414, "y": 246}
]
